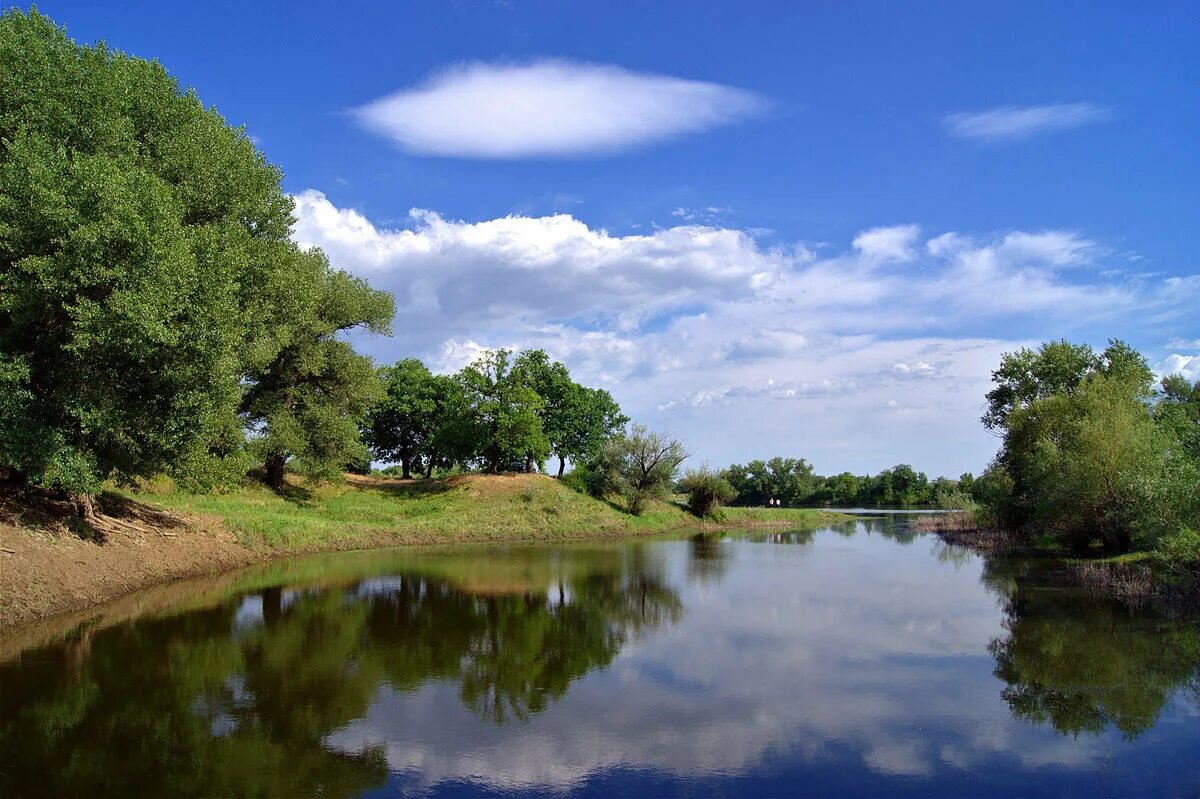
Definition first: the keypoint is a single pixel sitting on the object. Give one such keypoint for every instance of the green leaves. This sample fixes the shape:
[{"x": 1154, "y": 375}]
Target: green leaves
[
  {"x": 1087, "y": 455},
  {"x": 149, "y": 290}
]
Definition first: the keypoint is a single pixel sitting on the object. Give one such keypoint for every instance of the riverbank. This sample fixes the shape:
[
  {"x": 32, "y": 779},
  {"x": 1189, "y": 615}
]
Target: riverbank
[
  {"x": 1135, "y": 578},
  {"x": 50, "y": 566}
]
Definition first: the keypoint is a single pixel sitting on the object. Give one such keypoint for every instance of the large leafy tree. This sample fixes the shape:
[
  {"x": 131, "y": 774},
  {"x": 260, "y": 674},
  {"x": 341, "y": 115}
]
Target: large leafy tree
[
  {"x": 307, "y": 400},
  {"x": 401, "y": 425},
  {"x": 505, "y": 412},
  {"x": 1058, "y": 367},
  {"x": 139, "y": 234},
  {"x": 577, "y": 420},
  {"x": 1088, "y": 454}
]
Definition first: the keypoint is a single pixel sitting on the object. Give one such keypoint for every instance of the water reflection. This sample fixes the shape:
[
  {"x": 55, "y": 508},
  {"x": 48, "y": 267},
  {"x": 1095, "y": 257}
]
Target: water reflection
[
  {"x": 1082, "y": 665},
  {"x": 237, "y": 700},
  {"x": 863, "y": 660}
]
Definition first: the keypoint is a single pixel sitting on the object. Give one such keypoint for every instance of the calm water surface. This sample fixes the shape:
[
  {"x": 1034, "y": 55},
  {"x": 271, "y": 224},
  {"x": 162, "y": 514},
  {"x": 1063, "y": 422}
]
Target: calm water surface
[{"x": 864, "y": 660}]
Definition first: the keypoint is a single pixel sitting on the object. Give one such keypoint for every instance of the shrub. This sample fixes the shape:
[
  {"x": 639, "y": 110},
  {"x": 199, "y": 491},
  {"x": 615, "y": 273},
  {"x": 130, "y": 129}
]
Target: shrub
[{"x": 706, "y": 491}]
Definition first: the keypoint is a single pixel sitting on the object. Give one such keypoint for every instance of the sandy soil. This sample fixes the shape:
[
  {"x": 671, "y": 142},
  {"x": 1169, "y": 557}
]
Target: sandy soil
[{"x": 48, "y": 569}]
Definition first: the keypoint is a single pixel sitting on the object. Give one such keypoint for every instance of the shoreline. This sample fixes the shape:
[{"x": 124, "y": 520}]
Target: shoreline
[
  {"x": 49, "y": 573},
  {"x": 1133, "y": 579}
]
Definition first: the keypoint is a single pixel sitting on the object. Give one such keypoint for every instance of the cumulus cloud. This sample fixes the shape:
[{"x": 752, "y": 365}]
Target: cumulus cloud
[
  {"x": 550, "y": 108},
  {"x": 1176, "y": 364},
  {"x": 471, "y": 273},
  {"x": 703, "y": 329},
  {"x": 1011, "y": 122}
]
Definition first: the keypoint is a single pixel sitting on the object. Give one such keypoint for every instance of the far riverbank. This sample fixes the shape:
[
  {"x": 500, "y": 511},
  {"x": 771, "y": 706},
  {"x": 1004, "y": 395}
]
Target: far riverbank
[{"x": 159, "y": 534}]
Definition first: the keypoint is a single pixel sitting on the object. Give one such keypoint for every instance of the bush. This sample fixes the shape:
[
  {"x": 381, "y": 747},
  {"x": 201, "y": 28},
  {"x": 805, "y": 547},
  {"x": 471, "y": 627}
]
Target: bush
[
  {"x": 1180, "y": 549},
  {"x": 958, "y": 500},
  {"x": 578, "y": 479},
  {"x": 707, "y": 491}
]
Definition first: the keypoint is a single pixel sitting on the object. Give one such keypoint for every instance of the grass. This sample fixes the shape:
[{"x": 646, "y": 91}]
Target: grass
[{"x": 374, "y": 511}]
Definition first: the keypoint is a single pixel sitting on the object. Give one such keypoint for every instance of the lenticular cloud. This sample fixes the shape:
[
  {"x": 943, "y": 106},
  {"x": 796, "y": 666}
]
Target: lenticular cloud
[{"x": 550, "y": 108}]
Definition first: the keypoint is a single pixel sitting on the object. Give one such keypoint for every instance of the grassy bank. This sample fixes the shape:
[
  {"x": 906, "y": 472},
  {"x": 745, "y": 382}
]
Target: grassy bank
[
  {"x": 52, "y": 566},
  {"x": 371, "y": 510}
]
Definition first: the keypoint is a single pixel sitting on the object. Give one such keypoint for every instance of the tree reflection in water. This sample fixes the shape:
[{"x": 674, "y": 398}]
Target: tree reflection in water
[
  {"x": 1082, "y": 665},
  {"x": 205, "y": 704}
]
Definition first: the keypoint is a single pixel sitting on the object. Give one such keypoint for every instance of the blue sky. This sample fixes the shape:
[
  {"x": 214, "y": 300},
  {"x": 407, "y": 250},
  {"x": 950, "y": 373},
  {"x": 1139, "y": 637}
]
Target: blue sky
[{"x": 802, "y": 229}]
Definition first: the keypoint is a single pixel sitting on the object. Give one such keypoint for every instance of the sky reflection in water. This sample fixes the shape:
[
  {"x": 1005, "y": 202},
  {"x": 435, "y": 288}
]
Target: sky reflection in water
[{"x": 858, "y": 661}]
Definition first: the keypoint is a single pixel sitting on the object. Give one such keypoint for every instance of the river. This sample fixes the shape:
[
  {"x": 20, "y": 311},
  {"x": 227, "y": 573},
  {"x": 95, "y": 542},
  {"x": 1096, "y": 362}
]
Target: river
[{"x": 860, "y": 660}]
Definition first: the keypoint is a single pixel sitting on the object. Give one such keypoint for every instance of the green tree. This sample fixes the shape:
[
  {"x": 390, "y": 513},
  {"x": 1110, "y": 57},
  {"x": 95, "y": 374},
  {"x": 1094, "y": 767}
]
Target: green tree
[
  {"x": 505, "y": 413},
  {"x": 576, "y": 419},
  {"x": 305, "y": 403},
  {"x": 400, "y": 427},
  {"x": 137, "y": 233},
  {"x": 843, "y": 489},
  {"x": 1088, "y": 452},
  {"x": 1178, "y": 413},
  {"x": 1057, "y": 367},
  {"x": 639, "y": 465}
]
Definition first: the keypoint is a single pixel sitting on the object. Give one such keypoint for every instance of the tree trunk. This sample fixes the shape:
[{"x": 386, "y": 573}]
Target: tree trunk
[
  {"x": 529, "y": 463},
  {"x": 84, "y": 506},
  {"x": 272, "y": 604},
  {"x": 429, "y": 469},
  {"x": 562, "y": 464},
  {"x": 404, "y": 473},
  {"x": 274, "y": 470}
]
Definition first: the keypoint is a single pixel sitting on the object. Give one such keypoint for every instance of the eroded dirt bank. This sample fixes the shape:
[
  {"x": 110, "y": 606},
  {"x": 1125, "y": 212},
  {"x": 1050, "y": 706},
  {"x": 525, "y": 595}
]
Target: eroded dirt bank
[{"x": 47, "y": 570}]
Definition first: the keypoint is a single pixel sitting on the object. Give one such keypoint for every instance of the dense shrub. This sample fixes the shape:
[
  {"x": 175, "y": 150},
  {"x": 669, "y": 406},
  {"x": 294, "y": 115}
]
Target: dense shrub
[{"x": 707, "y": 491}]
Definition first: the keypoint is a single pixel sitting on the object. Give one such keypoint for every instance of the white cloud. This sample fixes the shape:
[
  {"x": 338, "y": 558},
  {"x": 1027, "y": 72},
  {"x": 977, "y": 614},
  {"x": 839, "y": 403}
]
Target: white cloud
[
  {"x": 1011, "y": 122},
  {"x": 550, "y": 108},
  {"x": 1184, "y": 344},
  {"x": 705, "y": 330},
  {"x": 888, "y": 243},
  {"x": 1176, "y": 364}
]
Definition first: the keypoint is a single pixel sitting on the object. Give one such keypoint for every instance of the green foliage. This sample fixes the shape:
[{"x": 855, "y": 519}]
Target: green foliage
[
  {"x": 1091, "y": 453},
  {"x": 1057, "y": 368},
  {"x": 401, "y": 426},
  {"x": 792, "y": 482},
  {"x": 958, "y": 500},
  {"x": 707, "y": 491},
  {"x": 151, "y": 299},
  {"x": 1180, "y": 547},
  {"x": 504, "y": 412},
  {"x": 500, "y": 413},
  {"x": 789, "y": 480},
  {"x": 137, "y": 230},
  {"x": 639, "y": 466},
  {"x": 306, "y": 401}
]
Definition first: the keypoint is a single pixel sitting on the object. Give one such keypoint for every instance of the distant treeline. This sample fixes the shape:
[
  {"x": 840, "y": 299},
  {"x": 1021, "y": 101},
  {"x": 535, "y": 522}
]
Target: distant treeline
[{"x": 793, "y": 483}]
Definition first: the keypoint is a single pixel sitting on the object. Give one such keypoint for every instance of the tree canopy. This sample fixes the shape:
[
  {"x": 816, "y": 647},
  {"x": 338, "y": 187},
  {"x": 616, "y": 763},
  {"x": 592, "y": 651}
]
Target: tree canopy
[
  {"x": 1091, "y": 451},
  {"x": 500, "y": 412},
  {"x": 151, "y": 299}
]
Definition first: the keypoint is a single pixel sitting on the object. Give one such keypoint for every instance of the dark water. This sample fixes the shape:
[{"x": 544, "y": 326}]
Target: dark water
[{"x": 865, "y": 661}]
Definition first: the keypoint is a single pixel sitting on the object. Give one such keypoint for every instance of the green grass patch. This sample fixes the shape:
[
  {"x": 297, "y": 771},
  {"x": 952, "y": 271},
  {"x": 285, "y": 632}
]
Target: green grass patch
[{"x": 378, "y": 511}]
